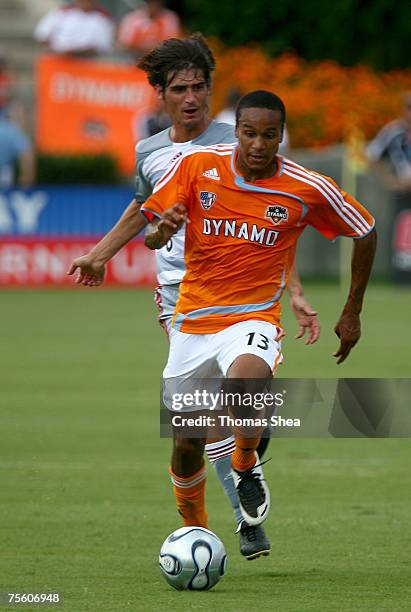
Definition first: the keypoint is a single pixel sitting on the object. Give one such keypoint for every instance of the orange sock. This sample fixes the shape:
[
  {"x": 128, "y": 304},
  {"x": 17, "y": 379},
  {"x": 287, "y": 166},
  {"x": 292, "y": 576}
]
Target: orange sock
[
  {"x": 243, "y": 458},
  {"x": 190, "y": 493}
]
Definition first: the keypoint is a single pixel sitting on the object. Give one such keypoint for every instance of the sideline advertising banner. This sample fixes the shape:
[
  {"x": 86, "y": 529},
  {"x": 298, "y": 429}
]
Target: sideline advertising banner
[
  {"x": 43, "y": 229},
  {"x": 90, "y": 107}
]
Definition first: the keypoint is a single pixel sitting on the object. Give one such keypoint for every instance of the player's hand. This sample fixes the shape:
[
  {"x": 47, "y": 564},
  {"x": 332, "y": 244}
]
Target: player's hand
[
  {"x": 348, "y": 329},
  {"x": 172, "y": 220},
  {"x": 306, "y": 318},
  {"x": 89, "y": 272}
]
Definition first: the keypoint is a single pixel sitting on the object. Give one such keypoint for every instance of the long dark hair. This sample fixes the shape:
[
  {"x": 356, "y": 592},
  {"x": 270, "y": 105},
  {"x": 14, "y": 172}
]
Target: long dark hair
[{"x": 175, "y": 54}]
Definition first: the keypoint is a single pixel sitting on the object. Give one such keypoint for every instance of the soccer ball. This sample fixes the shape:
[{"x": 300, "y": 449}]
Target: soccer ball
[{"x": 192, "y": 558}]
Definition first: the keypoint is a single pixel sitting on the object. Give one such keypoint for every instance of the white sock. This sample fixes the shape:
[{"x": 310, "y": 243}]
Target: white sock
[{"x": 219, "y": 454}]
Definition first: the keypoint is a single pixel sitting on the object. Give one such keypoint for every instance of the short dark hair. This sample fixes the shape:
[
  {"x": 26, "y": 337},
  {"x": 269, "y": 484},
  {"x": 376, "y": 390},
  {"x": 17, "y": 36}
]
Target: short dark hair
[
  {"x": 174, "y": 55},
  {"x": 261, "y": 99}
]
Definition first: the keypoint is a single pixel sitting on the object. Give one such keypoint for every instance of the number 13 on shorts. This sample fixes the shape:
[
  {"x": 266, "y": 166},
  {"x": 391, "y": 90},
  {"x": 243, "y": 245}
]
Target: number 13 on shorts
[{"x": 250, "y": 337}]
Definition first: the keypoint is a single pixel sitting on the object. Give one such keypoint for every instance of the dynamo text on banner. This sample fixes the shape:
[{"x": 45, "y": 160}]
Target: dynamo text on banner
[{"x": 90, "y": 107}]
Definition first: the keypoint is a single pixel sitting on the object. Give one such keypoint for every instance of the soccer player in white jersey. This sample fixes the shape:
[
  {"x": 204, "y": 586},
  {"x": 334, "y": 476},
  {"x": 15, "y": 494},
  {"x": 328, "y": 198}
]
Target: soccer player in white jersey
[{"x": 180, "y": 71}]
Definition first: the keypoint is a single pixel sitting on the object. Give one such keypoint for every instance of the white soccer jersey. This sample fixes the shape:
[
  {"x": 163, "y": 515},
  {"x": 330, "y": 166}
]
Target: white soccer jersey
[{"x": 154, "y": 157}]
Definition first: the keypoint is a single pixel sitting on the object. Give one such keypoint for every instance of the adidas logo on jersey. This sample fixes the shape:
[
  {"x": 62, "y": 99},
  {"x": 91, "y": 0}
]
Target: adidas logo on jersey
[{"x": 212, "y": 174}]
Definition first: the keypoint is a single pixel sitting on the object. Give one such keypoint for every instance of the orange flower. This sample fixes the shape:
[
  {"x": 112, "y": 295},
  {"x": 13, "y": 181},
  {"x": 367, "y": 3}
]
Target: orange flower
[{"x": 325, "y": 101}]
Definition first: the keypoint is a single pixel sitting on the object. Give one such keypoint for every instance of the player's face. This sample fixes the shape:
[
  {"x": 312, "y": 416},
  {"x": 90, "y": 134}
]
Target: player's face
[
  {"x": 259, "y": 132},
  {"x": 185, "y": 99}
]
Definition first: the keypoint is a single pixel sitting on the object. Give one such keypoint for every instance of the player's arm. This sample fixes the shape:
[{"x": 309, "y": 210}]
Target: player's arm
[
  {"x": 348, "y": 327},
  {"x": 333, "y": 213},
  {"x": 161, "y": 230},
  {"x": 304, "y": 313},
  {"x": 166, "y": 209},
  {"x": 91, "y": 266}
]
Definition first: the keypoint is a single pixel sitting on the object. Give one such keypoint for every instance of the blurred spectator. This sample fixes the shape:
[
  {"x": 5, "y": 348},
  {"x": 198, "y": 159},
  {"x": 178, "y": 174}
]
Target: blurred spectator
[
  {"x": 227, "y": 115},
  {"x": 143, "y": 29},
  {"x": 80, "y": 28},
  {"x": 10, "y": 105},
  {"x": 15, "y": 154},
  {"x": 390, "y": 151}
]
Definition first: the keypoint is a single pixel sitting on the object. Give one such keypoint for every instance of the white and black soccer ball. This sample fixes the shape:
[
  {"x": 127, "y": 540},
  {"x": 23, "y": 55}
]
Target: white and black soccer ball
[{"x": 192, "y": 558}]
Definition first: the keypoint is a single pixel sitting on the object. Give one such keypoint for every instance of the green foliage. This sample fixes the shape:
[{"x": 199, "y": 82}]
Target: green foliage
[
  {"x": 77, "y": 170},
  {"x": 375, "y": 32}
]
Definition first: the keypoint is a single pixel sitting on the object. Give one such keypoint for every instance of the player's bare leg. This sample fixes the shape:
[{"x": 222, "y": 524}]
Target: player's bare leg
[
  {"x": 247, "y": 367},
  {"x": 188, "y": 475}
]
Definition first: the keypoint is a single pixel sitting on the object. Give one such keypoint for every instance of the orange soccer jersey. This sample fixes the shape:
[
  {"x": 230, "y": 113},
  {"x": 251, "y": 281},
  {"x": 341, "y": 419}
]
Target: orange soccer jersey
[{"x": 241, "y": 239}]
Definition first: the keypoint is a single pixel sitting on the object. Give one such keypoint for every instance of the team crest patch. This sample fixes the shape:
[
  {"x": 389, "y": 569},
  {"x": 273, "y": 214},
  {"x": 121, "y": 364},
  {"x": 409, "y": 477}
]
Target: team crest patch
[
  {"x": 207, "y": 199},
  {"x": 276, "y": 213}
]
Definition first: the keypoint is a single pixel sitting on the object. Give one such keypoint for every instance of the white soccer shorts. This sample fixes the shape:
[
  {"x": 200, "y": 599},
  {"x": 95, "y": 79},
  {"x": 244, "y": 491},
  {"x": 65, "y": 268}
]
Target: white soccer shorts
[{"x": 196, "y": 356}]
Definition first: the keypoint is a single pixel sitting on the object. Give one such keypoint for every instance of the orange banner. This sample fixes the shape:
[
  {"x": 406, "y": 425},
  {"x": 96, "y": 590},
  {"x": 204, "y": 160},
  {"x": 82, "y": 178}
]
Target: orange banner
[{"x": 91, "y": 107}]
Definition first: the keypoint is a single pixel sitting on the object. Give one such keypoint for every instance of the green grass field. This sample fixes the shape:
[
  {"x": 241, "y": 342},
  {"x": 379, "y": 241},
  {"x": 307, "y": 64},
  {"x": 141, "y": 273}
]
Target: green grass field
[{"x": 86, "y": 499}]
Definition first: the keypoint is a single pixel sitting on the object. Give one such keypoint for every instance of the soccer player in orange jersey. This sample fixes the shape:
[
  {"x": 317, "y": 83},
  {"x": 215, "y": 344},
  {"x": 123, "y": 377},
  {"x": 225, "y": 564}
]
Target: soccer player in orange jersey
[
  {"x": 245, "y": 208},
  {"x": 180, "y": 71}
]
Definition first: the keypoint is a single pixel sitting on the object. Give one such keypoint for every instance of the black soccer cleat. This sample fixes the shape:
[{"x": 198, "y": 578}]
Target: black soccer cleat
[
  {"x": 253, "y": 494},
  {"x": 253, "y": 541}
]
